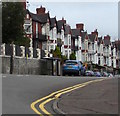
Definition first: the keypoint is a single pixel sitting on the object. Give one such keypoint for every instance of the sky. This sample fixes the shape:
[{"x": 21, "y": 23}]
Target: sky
[{"x": 102, "y": 16}]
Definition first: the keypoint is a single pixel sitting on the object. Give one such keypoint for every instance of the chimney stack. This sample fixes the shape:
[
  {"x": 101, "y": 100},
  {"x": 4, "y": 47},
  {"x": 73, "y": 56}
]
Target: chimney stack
[
  {"x": 41, "y": 10},
  {"x": 80, "y": 26},
  {"x": 107, "y": 37},
  {"x": 95, "y": 32}
]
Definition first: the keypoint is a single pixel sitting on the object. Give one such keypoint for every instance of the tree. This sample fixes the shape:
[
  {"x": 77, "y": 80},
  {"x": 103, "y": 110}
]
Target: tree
[
  {"x": 56, "y": 53},
  {"x": 72, "y": 56},
  {"x": 13, "y": 15}
]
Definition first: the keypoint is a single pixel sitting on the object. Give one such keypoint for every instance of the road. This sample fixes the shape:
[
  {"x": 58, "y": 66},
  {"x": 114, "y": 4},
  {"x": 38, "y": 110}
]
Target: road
[{"x": 19, "y": 91}]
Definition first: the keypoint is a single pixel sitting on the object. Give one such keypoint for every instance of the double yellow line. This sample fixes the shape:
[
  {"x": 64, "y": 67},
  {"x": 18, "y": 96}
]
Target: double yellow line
[{"x": 56, "y": 95}]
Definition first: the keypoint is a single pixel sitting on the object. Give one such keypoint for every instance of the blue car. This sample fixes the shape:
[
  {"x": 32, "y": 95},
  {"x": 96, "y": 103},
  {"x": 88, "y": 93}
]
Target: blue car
[{"x": 72, "y": 67}]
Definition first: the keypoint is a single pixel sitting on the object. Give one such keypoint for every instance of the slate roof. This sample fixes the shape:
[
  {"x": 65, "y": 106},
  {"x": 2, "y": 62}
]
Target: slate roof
[
  {"x": 75, "y": 32},
  {"x": 42, "y": 18},
  {"x": 113, "y": 45},
  {"x": 99, "y": 40},
  {"x": 92, "y": 37},
  {"x": 67, "y": 29},
  {"x": 59, "y": 25},
  {"x": 106, "y": 42},
  {"x": 52, "y": 22},
  {"x": 83, "y": 35},
  {"x": 117, "y": 44}
]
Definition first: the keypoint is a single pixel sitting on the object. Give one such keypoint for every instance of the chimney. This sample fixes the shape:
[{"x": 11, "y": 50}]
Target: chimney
[
  {"x": 80, "y": 26},
  {"x": 40, "y": 10},
  {"x": 95, "y": 32},
  {"x": 107, "y": 37},
  {"x": 63, "y": 20}
]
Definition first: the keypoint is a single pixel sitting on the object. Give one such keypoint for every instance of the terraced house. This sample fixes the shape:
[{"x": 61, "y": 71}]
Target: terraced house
[{"x": 47, "y": 32}]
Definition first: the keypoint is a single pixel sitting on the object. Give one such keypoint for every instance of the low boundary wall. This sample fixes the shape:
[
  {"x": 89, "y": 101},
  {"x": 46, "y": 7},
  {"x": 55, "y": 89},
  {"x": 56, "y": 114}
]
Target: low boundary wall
[{"x": 26, "y": 66}]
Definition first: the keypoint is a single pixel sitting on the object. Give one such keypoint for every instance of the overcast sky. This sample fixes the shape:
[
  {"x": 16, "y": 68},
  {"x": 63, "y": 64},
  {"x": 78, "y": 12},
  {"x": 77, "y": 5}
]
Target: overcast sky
[{"x": 95, "y": 15}]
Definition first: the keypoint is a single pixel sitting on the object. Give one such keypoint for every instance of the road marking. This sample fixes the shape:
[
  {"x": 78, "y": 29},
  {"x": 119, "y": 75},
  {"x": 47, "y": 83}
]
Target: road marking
[
  {"x": 41, "y": 106},
  {"x": 56, "y": 95}
]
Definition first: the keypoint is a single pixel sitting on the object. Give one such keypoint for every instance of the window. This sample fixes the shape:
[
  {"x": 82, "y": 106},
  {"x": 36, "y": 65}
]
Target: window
[
  {"x": 27, "y": 16},
  {"x": 43, "y": 30},
  {"x": 52, "y": 47},
  {"x": 76, "y": 42},
  {"x": 36, "y": 30},
  {"x": 47, "y": 29},
  {"x": 69, "y": 40},
  {"x": 65, "y": 41},
  {"x": 54, "y": 32},
  {"x": 83, "y": 46},
  {"x": 28, "y": 28}
]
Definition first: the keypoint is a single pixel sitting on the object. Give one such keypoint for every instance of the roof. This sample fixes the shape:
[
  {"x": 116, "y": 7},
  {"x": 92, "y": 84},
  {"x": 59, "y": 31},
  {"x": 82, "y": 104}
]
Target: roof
[
  {"x": 75, "y": 32},
  {"x": 67, "y": 29},
  {"x": 52, "y": 22},
  {"x": 113, "y": 45},
  {"x": 60, "y": 24},
  {"x": 106, "y": 42},
  {"x": 33, "y": 16},
  {"x": 99, "y": 40},
  {"x": 117, "y": 44},
  {"x": 42, "y": 18},
  {"x": 83, "y": 35},
  {"x": 92, "y": 37}
]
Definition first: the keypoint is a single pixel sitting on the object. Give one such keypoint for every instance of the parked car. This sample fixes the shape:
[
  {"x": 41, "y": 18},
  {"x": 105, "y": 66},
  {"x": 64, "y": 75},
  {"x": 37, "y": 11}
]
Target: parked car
[
  {"x": 97, "y": 74},
  {"x": 105, "y": 74},
  {"x": 110, "y": 75},
  {"x": 72, "y": 67},
  {"x": 89, "y": 73}
]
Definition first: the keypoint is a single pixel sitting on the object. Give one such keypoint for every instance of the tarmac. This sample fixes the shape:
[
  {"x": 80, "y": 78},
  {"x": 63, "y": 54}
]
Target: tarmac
[{"x": 95, "y": 98}]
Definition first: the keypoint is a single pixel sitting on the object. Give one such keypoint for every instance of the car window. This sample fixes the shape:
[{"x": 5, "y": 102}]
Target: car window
[{"x": 71, "y": 63}]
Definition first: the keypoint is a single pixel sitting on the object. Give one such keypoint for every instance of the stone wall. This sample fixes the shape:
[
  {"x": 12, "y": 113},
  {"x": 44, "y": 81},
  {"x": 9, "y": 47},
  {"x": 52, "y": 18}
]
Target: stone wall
[{"x": 27, "y": 66}]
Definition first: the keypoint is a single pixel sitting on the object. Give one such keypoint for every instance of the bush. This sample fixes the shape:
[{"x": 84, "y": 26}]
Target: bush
[
  {"x": 57, "y": 53},
  {"x": 72, "y": 56}
]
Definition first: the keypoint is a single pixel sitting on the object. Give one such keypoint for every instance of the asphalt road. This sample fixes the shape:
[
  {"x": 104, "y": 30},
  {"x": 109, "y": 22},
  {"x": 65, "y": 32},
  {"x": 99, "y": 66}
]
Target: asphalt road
[
  {"x": 19, "y": 91},
  {"x": 98, "y": 98}
]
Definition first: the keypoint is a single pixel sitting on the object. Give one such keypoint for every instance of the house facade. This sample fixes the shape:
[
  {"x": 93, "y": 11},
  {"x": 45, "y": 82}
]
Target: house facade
[{"x": 46, "y": 33}]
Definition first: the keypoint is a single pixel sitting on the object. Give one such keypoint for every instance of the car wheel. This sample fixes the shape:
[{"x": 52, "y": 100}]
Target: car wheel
[{"x": 63, "y": 74}]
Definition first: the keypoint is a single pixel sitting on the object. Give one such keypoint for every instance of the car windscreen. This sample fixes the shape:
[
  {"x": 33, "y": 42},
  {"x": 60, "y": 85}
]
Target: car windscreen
[{"x": 71, "y": 63}]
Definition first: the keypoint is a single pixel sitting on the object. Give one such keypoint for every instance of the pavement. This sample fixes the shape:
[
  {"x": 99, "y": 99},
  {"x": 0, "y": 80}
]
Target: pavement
[{"x": 95, "y": 98}]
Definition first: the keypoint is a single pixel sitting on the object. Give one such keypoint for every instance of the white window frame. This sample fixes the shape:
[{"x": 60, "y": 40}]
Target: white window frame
[{"x": 30, "y": 28}]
